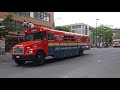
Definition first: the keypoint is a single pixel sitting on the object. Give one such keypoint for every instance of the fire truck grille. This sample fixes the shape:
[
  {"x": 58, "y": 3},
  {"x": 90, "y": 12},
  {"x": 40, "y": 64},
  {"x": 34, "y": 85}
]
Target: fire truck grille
[{"x": 19, "y": 50}]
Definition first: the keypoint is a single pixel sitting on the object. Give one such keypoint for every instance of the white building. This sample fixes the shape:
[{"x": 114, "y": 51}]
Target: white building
[{"x": 80, "y": 28}]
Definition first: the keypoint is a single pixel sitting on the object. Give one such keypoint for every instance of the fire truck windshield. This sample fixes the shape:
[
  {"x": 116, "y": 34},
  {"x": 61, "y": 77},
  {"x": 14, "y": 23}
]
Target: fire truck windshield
[{"x": 35, "y": 36}]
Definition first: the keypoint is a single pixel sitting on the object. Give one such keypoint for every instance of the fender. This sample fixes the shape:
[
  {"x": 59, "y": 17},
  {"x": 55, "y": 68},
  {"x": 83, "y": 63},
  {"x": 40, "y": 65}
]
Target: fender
[{"x": 40, "y": 49}]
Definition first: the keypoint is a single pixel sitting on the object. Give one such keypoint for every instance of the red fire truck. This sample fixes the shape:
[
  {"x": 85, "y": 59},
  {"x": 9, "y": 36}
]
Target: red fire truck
[
  {"x": 116, "y": 43},
  {"x": 41, "y": 42}
]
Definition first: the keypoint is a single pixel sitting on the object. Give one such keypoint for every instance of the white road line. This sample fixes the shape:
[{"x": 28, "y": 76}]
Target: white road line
[
  {"x": 65, "y": 77},
  {"x": 4, "y": 63},
  {"x": 99, "y": 61}
]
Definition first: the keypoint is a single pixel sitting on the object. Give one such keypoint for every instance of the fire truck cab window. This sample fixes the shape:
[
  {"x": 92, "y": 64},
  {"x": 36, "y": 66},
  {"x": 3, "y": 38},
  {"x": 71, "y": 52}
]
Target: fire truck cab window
[{"x": 35, "y": 36}]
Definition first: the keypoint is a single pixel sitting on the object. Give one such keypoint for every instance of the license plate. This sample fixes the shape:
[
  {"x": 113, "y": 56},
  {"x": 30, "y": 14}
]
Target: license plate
[{"x": 17, "y": 56}]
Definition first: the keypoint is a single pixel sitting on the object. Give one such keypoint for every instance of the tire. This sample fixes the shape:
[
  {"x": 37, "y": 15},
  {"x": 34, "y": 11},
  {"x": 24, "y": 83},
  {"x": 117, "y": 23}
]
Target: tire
[
  {"x": 40, "y": 58},
  {"x": 19, "y": 62}
]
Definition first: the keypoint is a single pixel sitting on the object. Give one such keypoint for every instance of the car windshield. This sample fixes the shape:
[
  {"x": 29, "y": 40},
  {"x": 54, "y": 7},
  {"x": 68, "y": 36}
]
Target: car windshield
[{"x": 35, "y": 36}]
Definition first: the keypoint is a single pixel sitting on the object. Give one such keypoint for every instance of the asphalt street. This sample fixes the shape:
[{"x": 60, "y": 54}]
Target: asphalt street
[{"x": 96, "y": 63}]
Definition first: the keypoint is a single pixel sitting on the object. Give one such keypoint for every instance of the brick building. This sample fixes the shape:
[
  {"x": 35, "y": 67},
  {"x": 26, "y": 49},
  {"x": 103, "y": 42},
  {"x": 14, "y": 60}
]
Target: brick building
[{"x": 44, "y": 19}]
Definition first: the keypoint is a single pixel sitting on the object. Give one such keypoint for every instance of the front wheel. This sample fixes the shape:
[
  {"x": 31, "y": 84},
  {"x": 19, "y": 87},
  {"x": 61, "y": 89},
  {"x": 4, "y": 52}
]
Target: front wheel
[
  {"x": 40, "y": 58},
  {"x": 19, "y": 62}
]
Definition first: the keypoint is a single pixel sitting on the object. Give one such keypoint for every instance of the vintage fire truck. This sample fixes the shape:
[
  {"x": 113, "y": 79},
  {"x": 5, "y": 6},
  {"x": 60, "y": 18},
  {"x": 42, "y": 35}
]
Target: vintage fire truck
[{"x": 41, "y": 42}]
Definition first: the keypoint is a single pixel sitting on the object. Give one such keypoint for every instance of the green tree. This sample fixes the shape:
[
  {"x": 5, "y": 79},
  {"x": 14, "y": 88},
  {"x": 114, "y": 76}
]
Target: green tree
[
  {"x": 62, "y": 28},
  {"x": 5, "y": 26},
  {"x": 7, "y": 22},
  {"x": 104, "y": 31}
]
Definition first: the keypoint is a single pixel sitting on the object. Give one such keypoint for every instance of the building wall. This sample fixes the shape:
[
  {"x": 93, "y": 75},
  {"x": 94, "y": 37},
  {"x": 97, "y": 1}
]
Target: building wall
[
  {"x": 20, "y": 19},
  {"x": 80, "y": 28}
]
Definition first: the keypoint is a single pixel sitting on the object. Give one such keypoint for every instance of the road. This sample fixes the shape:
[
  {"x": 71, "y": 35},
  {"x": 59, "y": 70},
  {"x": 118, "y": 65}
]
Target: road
[{"x": 96, "y": 63}]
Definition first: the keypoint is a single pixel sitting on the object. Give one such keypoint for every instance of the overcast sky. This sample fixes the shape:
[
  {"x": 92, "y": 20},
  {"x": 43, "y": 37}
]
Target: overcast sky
[{"x": 106, "y": 18}]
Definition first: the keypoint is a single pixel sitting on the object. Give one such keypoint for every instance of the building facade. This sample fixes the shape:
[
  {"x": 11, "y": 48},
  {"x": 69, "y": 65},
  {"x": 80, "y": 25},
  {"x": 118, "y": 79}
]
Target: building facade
[
  {"x": 80, "y": 28},
  {"x": 115, "y": 32},
  {"x": 45, "y": 19}
]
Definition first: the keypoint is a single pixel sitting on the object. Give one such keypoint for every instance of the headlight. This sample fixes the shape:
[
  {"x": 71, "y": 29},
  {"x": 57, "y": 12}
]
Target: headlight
[
  {"x": 30, "y": 51},
  {"x": 28, "y": 47}
]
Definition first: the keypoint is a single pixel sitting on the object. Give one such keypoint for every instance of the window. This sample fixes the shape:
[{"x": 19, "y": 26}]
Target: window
[
  {"x": 65, "y": 38},
  {"x": 78, "y": 26},
  {"x": 84, "y": 39},
  {"x": 27, "y": 14},
  {"x": 35, "y": 14},
  {"x": 35, "y": 36},
  {"x": 18, "y": 13},
  {"x": 45, "y": 16},
  {"x": 72, "y": 38},
  {"x": 23, "y": 13},
  {"x": 50, "y": 36},
  {"x": 41, "y": 16},
  {"x": 18, "y": 26},
  {"x": 48, "y": 17},
  {"x": 73, "y": 27},
  {"x": 68, "y": 37}
]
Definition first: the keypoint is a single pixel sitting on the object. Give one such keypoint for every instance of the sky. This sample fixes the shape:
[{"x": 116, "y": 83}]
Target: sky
[{"x": 106, "y": 18}]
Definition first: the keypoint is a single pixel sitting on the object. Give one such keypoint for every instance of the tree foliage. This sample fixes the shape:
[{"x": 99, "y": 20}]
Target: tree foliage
[
  {"x": 104, "y": 31},
  {"x": 62, "y": 28},
  {"x": 5, "y": 26}
]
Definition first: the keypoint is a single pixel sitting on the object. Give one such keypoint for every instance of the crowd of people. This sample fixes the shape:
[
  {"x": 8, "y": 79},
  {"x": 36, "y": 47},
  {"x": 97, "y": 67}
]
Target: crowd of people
[{"x": 101, "y": 45}]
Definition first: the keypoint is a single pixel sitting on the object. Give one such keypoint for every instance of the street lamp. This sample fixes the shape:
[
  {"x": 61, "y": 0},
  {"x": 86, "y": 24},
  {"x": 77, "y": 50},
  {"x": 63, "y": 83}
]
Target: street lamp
[{"x": 96, "y": 31}]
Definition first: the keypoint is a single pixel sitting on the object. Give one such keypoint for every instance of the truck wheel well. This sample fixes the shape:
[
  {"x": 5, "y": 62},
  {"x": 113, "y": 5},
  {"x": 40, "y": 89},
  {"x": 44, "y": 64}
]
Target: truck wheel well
[{"x": 40, "y": 51}]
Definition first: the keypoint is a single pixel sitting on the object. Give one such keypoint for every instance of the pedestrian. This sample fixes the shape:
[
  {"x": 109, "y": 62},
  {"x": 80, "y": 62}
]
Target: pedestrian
[{"x": 101, "y": 45}]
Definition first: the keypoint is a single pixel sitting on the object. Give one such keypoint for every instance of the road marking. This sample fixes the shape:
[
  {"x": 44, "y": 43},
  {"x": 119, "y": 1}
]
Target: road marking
[
  {"x": 4, "y": 63},
  {"x": 66, "y": 77},
  {"x": 99, "y": 61}
]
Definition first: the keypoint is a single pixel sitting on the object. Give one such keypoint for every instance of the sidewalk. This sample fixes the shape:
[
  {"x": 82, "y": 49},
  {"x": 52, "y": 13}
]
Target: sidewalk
[{"x": 7, "y": 56}]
